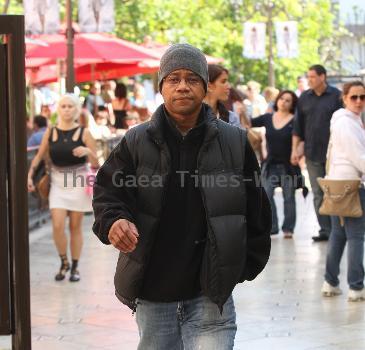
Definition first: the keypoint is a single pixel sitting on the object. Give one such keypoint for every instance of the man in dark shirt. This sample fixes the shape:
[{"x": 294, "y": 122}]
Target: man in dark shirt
[
  {"x": 40, "y": 127},
  {"x": 312, "y": 125},
  {"x": 93, "y": 101},
  {"x": 186, "y": 242}
]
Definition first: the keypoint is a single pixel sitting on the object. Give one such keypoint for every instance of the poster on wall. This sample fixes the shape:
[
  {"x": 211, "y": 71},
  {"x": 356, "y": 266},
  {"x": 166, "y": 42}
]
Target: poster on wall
[
  {"x": 287, "y": 39},
  {"x": 96, "y": 15},
  {"x": 41, "y": 16},
  {"x": 254, "y": 44}
]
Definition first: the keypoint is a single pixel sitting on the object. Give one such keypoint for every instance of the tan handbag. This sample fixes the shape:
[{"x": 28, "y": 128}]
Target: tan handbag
[
  {"x": 340, "y": 197},
  {"x": 41, "y": 179},
  {"x": 43, "y": 187}
]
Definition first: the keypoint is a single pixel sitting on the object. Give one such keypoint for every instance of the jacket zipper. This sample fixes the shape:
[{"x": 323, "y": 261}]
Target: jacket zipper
[
  {"x": 135, "y": 302},
  {"x": 210, "y": 233}
]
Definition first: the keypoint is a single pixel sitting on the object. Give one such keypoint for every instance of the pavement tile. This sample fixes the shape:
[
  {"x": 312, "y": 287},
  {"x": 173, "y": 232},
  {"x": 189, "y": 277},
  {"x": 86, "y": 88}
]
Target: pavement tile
[{"x": 281, "y": 309}]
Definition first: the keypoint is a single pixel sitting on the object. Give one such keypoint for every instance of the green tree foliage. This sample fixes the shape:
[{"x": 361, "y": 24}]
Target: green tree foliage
[
  {"x": 216, "y": 27},
  {"x": 13, "y": 7}
]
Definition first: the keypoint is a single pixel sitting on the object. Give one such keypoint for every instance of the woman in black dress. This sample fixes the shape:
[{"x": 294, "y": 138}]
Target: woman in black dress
[
  {"x": 120, "y": 106},
  {"x": 276, "y": 169}
]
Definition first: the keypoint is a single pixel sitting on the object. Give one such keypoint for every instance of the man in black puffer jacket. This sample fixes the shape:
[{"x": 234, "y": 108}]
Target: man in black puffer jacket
[{"x": 181, "y": 198}]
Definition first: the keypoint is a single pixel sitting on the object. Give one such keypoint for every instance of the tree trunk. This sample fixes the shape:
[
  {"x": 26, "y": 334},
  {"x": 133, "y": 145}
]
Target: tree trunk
[
  {"x": 271, "y": 79},
  {"x": 6, "y": 7}
]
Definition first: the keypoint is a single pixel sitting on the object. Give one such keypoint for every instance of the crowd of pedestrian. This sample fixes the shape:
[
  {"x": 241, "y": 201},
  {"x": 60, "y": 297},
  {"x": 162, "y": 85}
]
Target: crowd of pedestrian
[
  {"x": 191, "y": 234},
  {"x": 108, "y": 109}
]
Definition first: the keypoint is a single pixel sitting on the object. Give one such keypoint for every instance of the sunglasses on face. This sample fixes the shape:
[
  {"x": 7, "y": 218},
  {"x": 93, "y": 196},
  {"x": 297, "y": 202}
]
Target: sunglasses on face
[{"x": 356, "y": 97}]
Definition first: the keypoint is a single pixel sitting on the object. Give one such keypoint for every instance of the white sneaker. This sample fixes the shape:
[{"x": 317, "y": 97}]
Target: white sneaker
[
  {"x": 288, "y": 234},
  {"x": 330, "y": 291},
  {"x": 356, "y": 295}
]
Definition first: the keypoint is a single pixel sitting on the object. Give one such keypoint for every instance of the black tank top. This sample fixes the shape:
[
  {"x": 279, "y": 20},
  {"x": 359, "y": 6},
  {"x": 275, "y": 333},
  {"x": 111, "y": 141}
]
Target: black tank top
[
  {"x": 60, "y": 150},
  {"x": 120, "y": 115}
]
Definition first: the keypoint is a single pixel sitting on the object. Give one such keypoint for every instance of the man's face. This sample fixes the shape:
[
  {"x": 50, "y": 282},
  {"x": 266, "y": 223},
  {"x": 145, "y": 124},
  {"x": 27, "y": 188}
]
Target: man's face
[
  {"x": 302, "y": 84},
  {"x": 183, "y": 92},
  {"x": 315, "y": 80},
  {"x": 253, "y": 91},
  {"x": 95, "y": 89}
]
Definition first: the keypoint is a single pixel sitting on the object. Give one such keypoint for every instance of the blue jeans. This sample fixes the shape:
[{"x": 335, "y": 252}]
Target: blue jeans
[
  {"x": 190, "y": 325},
  {"x": 317, "y": 169},
  {"x": 275, "y": 173},
  {"x": 353, "y": 233}
]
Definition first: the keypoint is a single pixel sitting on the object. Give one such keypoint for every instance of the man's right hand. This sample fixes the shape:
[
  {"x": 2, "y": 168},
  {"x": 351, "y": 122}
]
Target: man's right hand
[{"x": 123, "y": 235}]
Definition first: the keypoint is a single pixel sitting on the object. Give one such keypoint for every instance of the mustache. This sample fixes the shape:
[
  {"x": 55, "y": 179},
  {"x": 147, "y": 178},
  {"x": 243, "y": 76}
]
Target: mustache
[{"x": 183, "y": 97}]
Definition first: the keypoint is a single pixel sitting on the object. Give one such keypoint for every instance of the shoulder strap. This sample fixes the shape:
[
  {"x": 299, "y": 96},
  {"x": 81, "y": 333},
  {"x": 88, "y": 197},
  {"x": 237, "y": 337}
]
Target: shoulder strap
[
  {"x": 51, "y": 134},
  {"x": 47, "y": 157},
  {"x": 81, "y": 132},
  {"x": 329, "y": 153}
]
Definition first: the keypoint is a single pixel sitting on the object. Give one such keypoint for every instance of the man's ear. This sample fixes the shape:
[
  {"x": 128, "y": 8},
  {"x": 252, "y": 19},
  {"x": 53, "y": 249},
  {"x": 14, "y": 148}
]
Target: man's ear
[{"x": 210, "y": 87}]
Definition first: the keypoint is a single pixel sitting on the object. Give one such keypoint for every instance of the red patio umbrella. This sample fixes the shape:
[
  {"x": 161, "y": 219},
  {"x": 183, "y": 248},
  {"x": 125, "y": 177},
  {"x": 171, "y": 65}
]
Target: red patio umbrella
[
  {"x": 91, "y": 47},
  {"x": 110, "y": 70},
  {"x": 97, "y": 56},
  {"x": 38, "y": 62},
  {"x": 90, "y": 72}
]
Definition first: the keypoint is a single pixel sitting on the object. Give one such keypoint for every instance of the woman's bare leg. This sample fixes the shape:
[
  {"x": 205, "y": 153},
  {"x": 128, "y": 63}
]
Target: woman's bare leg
[
  {"x": 60, "y": 240},
  {"x": 76, "y": 234},
  {"x": 76, "y": 243},
  {"x": 59, "y": 235}
]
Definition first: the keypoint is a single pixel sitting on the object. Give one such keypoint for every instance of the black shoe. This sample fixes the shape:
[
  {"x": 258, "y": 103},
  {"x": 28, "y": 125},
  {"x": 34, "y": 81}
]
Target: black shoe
[
  {"x": 75, "y": 276},
  {"x": 65, "y": 266},
  {"x": 274, "y": 233},
  {"x": 62, "y": 273},
  {"x": 320, "y": 238}
]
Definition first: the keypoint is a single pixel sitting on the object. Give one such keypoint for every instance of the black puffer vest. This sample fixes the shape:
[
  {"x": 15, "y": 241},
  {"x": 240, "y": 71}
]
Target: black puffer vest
[{"x": 221, "y": 182}]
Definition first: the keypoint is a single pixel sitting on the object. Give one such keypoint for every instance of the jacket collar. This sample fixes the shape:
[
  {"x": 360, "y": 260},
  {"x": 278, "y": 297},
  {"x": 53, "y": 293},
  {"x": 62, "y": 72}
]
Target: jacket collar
[
  {"x": 155, "y": 129},
  {"x": 327, "y": 90}
]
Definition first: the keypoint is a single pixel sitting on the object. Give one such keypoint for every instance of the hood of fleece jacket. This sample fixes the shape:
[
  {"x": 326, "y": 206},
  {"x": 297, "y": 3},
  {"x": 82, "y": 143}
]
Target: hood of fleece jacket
[{"x": 342, "y": 113}]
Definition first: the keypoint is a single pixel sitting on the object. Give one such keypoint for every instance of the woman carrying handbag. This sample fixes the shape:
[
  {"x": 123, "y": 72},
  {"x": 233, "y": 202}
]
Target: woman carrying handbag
[
  {"x": 346, "y": 162},
  {"x": 69, "y": 147}
]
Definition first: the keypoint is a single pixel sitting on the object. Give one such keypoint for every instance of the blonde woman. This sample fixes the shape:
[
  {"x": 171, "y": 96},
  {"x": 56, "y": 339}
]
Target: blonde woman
[{"x": 69, "y": 147}]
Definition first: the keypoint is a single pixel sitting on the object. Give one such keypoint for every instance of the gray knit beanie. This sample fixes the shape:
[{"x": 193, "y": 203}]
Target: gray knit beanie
[{"x": 183, "y": 56}]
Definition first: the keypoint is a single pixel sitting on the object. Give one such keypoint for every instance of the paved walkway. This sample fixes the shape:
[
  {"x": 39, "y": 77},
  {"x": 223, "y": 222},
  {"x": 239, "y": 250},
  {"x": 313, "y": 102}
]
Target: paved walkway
[{"x": 282, "y": 309}]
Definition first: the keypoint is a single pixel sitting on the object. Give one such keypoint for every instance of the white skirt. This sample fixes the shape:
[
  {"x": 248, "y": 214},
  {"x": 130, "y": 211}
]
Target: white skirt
[{"x": 69, "y": 189}]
